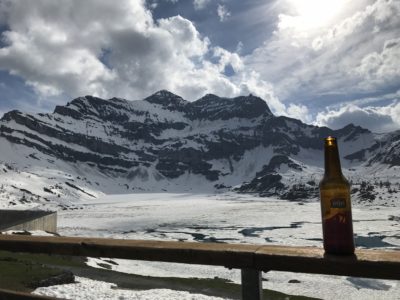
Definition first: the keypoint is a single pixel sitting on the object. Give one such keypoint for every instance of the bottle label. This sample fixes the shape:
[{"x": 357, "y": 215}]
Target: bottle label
[{"x": 338, "y": 203}]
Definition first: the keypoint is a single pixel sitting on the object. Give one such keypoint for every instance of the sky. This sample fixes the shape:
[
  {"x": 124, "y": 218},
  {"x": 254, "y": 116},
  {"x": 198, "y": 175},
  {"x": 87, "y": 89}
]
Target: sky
[{"x": 327, "y": 63}]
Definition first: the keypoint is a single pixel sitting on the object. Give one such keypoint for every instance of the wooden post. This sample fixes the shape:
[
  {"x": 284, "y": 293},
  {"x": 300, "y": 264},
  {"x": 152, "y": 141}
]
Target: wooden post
[{"x": 251, "y": 284}]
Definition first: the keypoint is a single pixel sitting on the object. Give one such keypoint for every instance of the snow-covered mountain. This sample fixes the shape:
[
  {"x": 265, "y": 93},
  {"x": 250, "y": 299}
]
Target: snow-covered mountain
[{"x": 93, "y": 146}]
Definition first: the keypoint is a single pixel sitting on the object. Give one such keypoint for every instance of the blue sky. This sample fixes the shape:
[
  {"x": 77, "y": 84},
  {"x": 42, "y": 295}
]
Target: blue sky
[{"x": 324, "y": 62}]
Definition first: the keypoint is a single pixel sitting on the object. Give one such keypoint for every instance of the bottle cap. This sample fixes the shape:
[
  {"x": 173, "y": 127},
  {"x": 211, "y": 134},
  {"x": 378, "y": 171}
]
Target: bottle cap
[{"x": 330, "y": 141}]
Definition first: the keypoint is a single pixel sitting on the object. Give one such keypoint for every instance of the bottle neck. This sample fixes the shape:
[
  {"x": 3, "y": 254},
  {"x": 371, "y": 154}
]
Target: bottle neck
[{"x": 332, "y": 160}]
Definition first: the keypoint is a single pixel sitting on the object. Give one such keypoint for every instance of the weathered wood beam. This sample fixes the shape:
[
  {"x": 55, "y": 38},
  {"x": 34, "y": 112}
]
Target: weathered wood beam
[{"x": 365, "y": 263}]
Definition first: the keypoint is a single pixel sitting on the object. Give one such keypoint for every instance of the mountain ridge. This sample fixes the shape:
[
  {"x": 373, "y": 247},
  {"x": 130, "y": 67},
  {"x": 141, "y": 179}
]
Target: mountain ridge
[{"x": 165, "y": 143}]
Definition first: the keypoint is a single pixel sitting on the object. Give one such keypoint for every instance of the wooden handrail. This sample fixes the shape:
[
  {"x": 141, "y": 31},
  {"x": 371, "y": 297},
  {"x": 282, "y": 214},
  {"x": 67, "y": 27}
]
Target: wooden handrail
[{"x": 365, "y": 263}]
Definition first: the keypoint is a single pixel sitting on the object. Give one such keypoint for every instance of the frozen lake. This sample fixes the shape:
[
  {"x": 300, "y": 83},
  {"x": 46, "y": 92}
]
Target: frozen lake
[{"x": 234, "y": 218}]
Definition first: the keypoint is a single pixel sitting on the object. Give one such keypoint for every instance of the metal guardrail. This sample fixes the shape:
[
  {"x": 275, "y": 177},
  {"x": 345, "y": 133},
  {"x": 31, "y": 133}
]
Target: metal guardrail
[{"x": 251, "y": 259}]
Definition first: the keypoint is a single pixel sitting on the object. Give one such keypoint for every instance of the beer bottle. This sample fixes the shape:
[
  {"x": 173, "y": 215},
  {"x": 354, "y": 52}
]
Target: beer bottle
[{"x": 337, "y": 226}]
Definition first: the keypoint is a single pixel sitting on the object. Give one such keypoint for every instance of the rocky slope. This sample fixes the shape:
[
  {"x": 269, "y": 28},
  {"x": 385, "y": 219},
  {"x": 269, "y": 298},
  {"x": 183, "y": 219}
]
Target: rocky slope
[{"x": 164, "y": 143}]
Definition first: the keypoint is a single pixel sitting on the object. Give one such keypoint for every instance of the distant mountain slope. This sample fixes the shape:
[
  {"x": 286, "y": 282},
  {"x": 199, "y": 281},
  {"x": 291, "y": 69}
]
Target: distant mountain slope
[{"x": 164, "y": 143}]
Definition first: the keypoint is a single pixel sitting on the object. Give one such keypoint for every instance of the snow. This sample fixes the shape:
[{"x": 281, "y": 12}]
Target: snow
[
  {"x": 205, "y": 127},
  {"x": 182, "y": 216},
  {"x": 364, "y": 141},
  {"x": 230, "y": 218},
  {"x": 157, "y": 269},
  {"x": 244, "y": 169},
  {"x": 94, "y": 290},
  {"x": 32, "y": 232},
  {"x": 191, "y": 210},
  {"x": 333, "y": 287}
]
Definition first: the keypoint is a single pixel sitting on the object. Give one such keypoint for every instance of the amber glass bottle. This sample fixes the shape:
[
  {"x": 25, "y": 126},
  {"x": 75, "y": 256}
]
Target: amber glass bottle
[{"x": 337, "y": 225}]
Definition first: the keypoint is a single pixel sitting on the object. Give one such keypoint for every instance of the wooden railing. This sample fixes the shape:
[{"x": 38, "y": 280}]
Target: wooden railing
[{"x": 251, "y": 259}]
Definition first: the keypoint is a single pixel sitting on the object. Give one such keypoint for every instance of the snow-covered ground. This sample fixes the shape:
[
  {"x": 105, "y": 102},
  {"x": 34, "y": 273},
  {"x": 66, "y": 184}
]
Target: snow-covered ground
[
  {"x": 229, "y": 218},
  {"x": 88, "y": 289}
]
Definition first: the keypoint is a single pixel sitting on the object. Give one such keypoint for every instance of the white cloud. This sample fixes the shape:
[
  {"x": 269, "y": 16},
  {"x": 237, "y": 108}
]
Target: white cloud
[
  {"x": 345, "y": 54},
  {"x": 64, "y": 49},
  {"x": 375, "y": 118},
  {"x": 378, "y": 68},
  {"x": 200, "y": 4},
  {"x": 239, "y": 47},
  {"x": 223, "y": 12},
  {"x": 228, "y": 58},
  {"x": 299, "y": 112},
  {"x": 56, "y": 47},
  {"x": 153, "y": 5},
  {"x": 117, "y": 51}
]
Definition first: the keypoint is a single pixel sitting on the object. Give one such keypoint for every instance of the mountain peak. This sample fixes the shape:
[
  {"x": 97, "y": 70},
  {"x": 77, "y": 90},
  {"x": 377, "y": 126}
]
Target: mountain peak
[
  {"x": 8, "y": 116},
  {"x": 254, "y": 100},
  {"x": 214, "y": 107},
  {"x": 167, "y": 99},
  {"x": 165, "y": 93}
]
